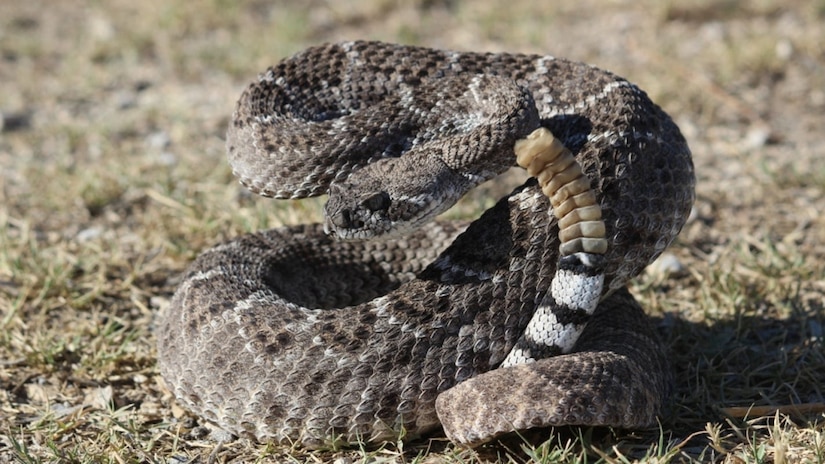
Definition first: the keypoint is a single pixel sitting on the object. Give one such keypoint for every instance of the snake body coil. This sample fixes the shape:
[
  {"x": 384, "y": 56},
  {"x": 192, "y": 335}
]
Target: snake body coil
[{"x": 293, "y": 334}]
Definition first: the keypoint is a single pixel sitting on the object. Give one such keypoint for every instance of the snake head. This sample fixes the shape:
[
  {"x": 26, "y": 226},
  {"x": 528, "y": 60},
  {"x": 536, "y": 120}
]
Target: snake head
[{"x": 391, "y": 197}]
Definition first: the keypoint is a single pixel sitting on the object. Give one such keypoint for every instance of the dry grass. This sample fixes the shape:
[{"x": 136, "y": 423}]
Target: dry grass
[{"x": 112, "y": 178}]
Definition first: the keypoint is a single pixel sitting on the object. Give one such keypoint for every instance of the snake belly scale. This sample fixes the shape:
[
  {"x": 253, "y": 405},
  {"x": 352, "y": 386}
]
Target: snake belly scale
[{"x": 383, "y": 322}]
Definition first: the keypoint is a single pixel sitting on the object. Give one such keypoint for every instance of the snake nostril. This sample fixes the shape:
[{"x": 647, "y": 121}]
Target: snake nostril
[
  {"x": 342, "y": 219},
  {"x": 345, "y": 219}
]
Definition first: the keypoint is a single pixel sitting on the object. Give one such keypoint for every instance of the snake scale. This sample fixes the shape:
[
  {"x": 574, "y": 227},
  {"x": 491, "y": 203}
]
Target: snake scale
[{"x": 383, "y": 322}]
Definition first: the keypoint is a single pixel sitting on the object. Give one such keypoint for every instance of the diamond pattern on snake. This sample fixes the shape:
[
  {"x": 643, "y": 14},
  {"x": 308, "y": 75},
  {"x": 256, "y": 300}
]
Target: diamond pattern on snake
[{"x": 386, "y": 321}]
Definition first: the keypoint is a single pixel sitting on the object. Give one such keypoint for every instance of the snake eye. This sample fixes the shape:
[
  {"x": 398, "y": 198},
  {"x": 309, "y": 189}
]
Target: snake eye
[{"x": 377, "y": 201}]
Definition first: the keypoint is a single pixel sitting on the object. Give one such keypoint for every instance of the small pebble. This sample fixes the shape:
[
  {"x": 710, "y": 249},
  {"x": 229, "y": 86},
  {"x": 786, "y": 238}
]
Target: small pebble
[
  {"x": 757, "y": 136},
  {"x": 159, "y": 140},
  {"x": 666, "y": 265},
  {"x": 89, "y": 234}
]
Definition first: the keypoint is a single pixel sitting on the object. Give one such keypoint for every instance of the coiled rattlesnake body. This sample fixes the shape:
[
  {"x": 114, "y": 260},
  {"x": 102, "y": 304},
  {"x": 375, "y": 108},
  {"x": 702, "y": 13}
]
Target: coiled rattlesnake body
[{"x": 293, "y": 335}]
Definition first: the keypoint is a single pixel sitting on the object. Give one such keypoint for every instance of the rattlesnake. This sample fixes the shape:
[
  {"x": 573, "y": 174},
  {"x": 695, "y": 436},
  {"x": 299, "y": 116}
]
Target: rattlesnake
[{"x": 295, "y": 335}]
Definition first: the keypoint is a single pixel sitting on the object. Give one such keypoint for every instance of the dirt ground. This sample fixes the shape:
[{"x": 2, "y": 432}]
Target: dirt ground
[{"x": 113, "y": 178}]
